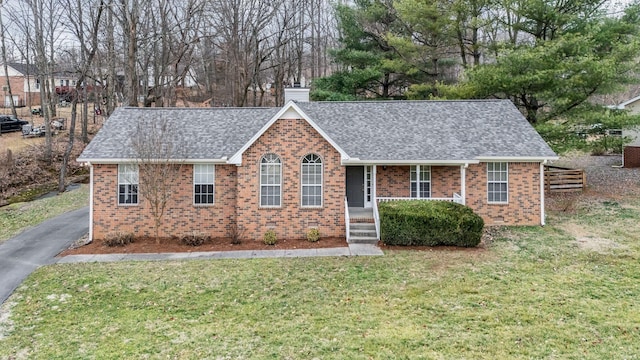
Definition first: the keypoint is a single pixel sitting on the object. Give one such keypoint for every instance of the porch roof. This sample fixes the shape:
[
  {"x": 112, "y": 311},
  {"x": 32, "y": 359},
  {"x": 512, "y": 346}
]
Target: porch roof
[{"x": 429, "y": 131}]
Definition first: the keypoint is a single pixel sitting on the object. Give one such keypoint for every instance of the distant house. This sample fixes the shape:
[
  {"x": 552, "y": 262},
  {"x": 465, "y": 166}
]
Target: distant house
[
  {"x": 631, "y": 105},
  {"x": 631, "y": 151},
  {"x": 318, "y": 164},
  {"x": 25, "y": 86}
]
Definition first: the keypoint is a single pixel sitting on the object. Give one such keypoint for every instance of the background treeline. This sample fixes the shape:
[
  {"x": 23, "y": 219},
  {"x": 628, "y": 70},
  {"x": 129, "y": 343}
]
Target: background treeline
[{"x": 548, "y": 56}]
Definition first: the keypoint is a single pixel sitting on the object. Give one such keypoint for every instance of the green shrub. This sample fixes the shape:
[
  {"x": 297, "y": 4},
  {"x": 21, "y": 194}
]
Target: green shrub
[
  {"x": 313, "y": 235},
  {"x": 270, "y": 238},
  {"x": 608, "y": 145},
  {"x": 195, "y": 239},
  {"x": 118, "y": 239},
  {"x": 429, "y": 223}
]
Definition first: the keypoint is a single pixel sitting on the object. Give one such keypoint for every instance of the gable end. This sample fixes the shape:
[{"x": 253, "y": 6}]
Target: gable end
[{"x": 289, "y": 111}]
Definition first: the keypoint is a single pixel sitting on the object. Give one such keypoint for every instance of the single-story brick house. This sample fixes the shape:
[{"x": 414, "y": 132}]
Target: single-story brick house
[{"x": 316, "y": 164}]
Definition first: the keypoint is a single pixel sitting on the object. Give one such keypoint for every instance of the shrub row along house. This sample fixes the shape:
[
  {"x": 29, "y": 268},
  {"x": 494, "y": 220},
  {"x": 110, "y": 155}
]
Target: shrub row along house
[{"x": 318, "y": 165}]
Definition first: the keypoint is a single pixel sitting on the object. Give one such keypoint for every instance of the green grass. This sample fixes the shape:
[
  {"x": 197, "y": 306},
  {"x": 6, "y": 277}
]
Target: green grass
[
  {"x": 16, "y": 217},
  {"x": 534, "y": 293}
]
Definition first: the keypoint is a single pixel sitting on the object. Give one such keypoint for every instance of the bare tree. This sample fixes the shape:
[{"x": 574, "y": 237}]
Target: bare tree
[
  {"x": 86, "y": 32},
  {"x": 159, "y": 163},
  {"x": 4, "y": 63}
]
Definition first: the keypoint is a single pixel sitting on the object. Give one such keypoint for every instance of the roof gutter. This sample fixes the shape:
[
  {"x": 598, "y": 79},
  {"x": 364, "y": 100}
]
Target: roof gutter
[
  {"x": 172, "y": 161},
  {"x": 356, "y": 161},
  {"x": 517, "y": 158}
]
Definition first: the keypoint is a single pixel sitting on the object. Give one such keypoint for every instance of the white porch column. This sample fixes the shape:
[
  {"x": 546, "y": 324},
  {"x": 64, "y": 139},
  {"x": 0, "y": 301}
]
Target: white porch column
[
  {"x": 90, "y": 202},
  {"x": 463, "y": 183},
  {"x": 542, "y": 193}
]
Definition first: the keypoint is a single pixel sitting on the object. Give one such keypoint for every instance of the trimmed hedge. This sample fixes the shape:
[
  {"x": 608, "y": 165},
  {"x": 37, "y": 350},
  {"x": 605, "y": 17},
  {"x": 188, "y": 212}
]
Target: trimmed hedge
[{"x": 429, "y": 223}]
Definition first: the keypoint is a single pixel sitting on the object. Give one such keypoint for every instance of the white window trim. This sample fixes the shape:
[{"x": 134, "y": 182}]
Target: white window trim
[
  {"x": 194, "y": 185},
  {"x": 302, "y": 186},
  {"x": 261, "y": 184},
  {"x": 123, "y": 166},
  {"x": 498, "y": 182},
  {"x": 418, "y": 172}
]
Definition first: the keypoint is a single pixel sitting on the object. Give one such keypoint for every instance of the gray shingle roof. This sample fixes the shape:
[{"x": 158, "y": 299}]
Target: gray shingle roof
[
  {"x": 210, "y": 133},
  {"x": 428, "y": 130},
  {"x": 24, "y": 69},
  {"x": 389, "y": 130}
]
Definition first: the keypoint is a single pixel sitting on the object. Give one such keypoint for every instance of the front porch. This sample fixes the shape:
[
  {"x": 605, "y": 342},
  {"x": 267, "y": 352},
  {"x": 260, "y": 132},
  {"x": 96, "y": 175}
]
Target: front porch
[{"x": 368, "y": 185}]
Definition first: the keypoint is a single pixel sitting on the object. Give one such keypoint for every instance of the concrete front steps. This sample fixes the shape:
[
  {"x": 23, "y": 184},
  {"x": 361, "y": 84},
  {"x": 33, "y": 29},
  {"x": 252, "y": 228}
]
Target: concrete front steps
[{"x": 362, "y": 233}]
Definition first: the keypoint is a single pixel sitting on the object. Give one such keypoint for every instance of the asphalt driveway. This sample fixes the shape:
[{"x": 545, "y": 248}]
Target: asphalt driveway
[{"x": 37, "y": 246}]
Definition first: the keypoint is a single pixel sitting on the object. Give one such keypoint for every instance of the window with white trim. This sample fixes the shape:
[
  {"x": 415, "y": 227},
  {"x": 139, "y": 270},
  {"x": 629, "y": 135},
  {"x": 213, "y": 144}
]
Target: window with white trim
[
  {"x": 270, "y": 180},
  {"x": 127, "y": 184},
  {"x": 420, "y": 181},
  {"x": 203, "y": 184},
  {"x": 312, "y": 180},
  {"x": 497, "y": 182}
]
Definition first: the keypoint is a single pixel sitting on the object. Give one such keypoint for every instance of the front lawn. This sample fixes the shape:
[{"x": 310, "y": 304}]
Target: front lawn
[{"x": 533, "y": 293}]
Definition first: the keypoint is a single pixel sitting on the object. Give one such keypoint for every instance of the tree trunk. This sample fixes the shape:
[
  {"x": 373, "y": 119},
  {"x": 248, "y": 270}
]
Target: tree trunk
[{"x": 4, "y": 62}]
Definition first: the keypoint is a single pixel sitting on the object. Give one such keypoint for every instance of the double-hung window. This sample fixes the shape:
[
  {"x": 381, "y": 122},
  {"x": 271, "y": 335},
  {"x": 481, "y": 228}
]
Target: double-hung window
[
  {"x": 312, "y": 181},
  {"x": 421, "y": 181},
  {"x": 497, "y": 182},
  {"x": 203, "y": 184},
  {"x": 127, "y": 184},
  {"x": 270, "y": 180}
]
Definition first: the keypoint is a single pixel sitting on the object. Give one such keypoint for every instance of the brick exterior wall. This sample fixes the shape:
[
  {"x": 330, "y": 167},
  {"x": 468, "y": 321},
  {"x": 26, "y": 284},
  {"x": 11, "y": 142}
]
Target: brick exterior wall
[
  {"x": 445, "y": 180},
  {"x": 392, "y": 181},
  {"x": 523, "y": 207},
  {"x": 17, "y": 89},
  {"x": 291, "y": 140},
  {"x": 631, "y": 156},
  {"x": 182, "y": 216},
  {"x": 237, "y": 190}
]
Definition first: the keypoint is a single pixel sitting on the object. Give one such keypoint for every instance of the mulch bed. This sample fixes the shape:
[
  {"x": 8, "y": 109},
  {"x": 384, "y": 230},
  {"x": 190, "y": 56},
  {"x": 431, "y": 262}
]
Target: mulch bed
[{"x": 149, "y": 245}]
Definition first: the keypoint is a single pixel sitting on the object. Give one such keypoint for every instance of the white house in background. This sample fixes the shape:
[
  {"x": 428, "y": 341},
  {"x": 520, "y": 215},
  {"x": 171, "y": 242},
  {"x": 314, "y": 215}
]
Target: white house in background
[{"x": 631, "y": 105}]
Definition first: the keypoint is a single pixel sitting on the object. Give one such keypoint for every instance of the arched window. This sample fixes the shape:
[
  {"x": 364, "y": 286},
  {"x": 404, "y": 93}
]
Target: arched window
[
  {"x": 311, "y": 180},
  {"x": 270, "y": 180}
]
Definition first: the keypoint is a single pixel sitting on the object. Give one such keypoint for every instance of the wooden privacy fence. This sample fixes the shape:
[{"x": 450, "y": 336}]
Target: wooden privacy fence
[{"x": 560, "y": 179}]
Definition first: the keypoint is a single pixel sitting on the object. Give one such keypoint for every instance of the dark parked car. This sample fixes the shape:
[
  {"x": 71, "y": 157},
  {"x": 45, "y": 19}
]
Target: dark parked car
[{"x": 8, "y": 123}]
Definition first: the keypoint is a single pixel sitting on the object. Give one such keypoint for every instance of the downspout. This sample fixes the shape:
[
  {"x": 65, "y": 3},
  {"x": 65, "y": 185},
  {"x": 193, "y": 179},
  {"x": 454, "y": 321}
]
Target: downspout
[
  {"x": 542, "y": 215},
  {"x": 90, "y": 201}
]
